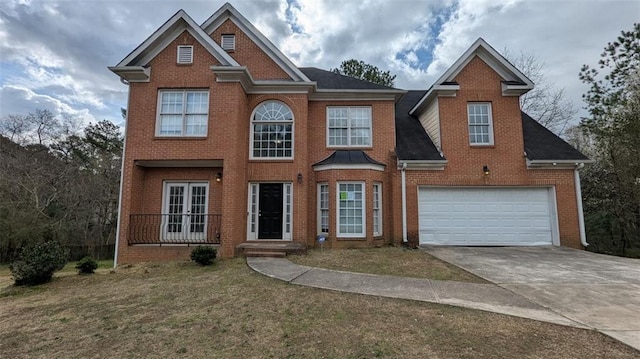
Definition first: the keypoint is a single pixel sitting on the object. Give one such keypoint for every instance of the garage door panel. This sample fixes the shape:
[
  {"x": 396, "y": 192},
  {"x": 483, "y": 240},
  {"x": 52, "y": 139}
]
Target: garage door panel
[{"x": 484, "y": 216}]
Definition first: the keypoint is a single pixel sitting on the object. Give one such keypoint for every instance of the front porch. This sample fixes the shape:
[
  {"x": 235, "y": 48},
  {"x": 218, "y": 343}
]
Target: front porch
[{"x": 269, "y": 248}]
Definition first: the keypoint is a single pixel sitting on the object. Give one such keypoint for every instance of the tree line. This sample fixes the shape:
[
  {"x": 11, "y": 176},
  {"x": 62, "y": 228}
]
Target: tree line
[{"x": 58, "y": 182}]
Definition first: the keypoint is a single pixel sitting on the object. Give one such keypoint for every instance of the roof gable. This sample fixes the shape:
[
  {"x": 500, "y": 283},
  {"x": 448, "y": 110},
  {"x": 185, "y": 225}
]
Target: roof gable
[
  {"x": 228, "y": 12},
  {"x": 514, "y": 83},
  {"x": 168, "y": 32}
]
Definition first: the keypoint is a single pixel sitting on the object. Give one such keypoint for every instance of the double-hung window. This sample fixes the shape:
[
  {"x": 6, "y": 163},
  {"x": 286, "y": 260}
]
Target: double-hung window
[
  {"x": 183, "y": 113},
  {"x": 480, "y": 123},
  {"x": 323, "y": 208},
  {"x": 349, "y": 127},
  {"x": 377, "y": 209},
  {"x": 272, "y": 131},
  {"x": 351, "y": 210}
]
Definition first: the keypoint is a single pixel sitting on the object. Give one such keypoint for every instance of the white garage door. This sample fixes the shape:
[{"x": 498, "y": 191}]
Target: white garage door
[{"x": 485, "y": 216}]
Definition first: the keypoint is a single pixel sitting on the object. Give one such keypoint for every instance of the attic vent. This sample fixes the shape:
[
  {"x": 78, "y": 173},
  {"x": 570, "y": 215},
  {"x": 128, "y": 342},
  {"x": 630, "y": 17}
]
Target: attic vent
[
  {"x": 185, "y": 54},
  {"x": 228, "y": 42}
]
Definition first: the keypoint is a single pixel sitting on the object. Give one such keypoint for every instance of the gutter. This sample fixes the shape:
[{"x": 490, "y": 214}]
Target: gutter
[
  {"x": 583, "y": 235},
  {"x": 124, "y": 148},
  {"x": 404, "y": 203}
]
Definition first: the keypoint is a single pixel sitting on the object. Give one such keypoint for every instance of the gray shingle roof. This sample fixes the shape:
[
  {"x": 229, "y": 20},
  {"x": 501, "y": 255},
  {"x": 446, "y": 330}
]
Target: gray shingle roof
[
  {"x": 348, "y": 157},
  {"x": 328, "y": 80},
  {"x": 542, "y": 144},
  {"x": 412, "y": 142}
]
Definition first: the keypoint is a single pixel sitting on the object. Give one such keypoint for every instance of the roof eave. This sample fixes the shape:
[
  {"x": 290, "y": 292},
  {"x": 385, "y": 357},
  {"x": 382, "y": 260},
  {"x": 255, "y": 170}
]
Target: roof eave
[
  {"x": 556, "y": 164},
  {"x": 132, "y": 73},
  {"x": 423, "y": 164},
  {"x": 242, "y": 75},
  {"x": 434, "y": 91},
  {"x": 356, "y": 94}
]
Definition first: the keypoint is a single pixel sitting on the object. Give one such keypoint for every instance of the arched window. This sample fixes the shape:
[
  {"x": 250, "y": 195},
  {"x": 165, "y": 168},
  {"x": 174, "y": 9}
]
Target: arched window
[{"x": 272, "y": 131}]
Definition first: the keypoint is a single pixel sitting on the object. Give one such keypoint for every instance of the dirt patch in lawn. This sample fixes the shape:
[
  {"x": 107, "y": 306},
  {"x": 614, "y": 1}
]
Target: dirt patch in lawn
[
  {"x": 228, "y": 311},
  {"x": 398, "y": 261}
]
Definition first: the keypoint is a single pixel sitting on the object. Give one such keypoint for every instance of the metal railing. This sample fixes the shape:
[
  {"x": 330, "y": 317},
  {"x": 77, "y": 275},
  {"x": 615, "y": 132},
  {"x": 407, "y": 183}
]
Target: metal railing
[{"x": 174, "y": 229}]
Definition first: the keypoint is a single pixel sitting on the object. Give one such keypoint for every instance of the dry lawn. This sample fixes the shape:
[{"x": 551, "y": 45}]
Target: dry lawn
[
  {"x": 176, "y": 310},
  {"x": 399, "y": 261}
]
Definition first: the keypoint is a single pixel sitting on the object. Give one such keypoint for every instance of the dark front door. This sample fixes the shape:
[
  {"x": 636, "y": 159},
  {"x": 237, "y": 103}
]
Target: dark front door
[{"x": 270, "y": 214}]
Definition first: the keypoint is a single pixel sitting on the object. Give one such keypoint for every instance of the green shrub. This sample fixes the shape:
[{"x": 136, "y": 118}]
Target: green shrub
[
  {"x": 87, "y": 265},
  {"x": 203, "y": 255},
  {"x": 36, "y": 264}
]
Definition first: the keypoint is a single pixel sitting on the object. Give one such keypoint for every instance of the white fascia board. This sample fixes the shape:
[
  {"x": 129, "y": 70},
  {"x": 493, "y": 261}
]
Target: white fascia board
[
  {"x": 166, "y": 34},
  {"x": 434, "y": 91},
  {"x": 226, "y": 12},
  {"x": 555, "y": 164},
  {"x": 242, "y": 75},
  {"x": 132, "y": 73},
  {"x": 423, "y": 164},
  {"x": 362, "y": 166},
  {"x": 347, "y": 95}
]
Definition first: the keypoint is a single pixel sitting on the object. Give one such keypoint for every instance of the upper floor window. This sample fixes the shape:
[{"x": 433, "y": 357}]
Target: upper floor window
[
  {"x": 480, "y": 124},
  {"x": 185, "y": 54},
  {"x": 272, "y": 131},
  {"x": 183, "y": 113},
  {"x": 349, "y": 126}
]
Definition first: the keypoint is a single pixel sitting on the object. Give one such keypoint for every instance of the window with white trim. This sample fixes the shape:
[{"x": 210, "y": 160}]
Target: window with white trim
[
  {"x": 323, "y": 208},
  {"x": 185, "y": 54},
  {"x": 272, "y": 131},
  {"x": 377, "y": 209},
  {"x": 183, "y": 113},
  {"x": 228, "y": 42},
  {"x": 185, "y": 209},
  {"x": 480, "y": 123},
  {"x": 349, "y": 126},
  {"x": 350, "y": 216}
]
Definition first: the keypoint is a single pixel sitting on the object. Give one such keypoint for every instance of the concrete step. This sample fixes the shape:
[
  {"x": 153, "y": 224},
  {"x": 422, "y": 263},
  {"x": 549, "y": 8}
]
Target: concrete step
[{"x": 272, "y": 254}]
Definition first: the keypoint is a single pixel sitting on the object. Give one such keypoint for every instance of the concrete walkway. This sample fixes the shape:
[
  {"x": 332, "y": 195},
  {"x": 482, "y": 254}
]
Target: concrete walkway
[{"x": 487, "y": 297}]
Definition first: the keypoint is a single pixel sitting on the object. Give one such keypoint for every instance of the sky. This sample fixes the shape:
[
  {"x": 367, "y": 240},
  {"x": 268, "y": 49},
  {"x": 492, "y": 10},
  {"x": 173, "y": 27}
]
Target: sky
[{"x": 54, "y": 54}]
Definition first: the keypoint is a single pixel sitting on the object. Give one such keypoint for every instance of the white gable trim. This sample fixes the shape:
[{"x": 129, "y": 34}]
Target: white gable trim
[
  {"x": 166, "y": 34},
  {"x": 492, "y": 58},
  {"x": 226, "y": 12}
]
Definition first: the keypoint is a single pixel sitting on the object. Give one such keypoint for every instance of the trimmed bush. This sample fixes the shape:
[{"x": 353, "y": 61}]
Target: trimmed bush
[
  {"x": 87, "y": 265},
  {"x": 203, "y": 255},
  {"x": 36, "y": 264}
]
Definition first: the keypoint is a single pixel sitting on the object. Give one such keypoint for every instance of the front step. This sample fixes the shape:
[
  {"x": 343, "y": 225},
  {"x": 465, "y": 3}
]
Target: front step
[
  {"x": 271, "y": 254},
  {"x": 266, "y": 248}
]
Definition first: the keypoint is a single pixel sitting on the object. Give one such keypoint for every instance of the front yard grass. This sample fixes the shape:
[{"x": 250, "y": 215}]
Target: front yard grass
[
  {"x": 179, "y": 309},
  {"x": 398, "y": 261}
]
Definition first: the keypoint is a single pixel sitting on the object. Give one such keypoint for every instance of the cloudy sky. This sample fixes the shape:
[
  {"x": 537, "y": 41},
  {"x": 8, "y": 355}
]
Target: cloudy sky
[{"x": 54, "y": 54}]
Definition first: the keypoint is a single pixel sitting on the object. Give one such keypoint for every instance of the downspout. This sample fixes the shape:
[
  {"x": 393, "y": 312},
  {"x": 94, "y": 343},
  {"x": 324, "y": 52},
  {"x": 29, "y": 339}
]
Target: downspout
[
  {"x": 404, "y": 203},
  {"x": 583, "y": 235},
  {"x": 124, "y": 146}
]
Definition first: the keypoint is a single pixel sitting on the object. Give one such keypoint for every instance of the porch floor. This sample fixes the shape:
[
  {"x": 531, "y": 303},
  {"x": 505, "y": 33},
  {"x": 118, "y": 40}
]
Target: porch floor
[{"x": 267, "y": 247}]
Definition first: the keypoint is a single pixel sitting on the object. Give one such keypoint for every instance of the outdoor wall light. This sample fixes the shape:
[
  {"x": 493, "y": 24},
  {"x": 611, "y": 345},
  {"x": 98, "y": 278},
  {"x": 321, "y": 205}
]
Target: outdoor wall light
[
  {"x": 485, "y": 169},
  {"x": 299, "y": 177},
  {"x": 219, "y": 177}
]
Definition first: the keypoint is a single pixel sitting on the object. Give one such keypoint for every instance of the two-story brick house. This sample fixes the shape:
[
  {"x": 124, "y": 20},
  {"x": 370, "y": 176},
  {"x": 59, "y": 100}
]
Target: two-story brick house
[{"x": 229, "y": 143}]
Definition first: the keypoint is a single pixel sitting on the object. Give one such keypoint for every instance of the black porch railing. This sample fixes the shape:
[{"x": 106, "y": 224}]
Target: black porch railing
[{"x": 174, "y": 229}]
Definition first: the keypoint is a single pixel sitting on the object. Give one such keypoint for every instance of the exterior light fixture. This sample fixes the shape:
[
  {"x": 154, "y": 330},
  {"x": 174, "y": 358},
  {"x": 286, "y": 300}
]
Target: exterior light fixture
[
  {"x": 219, "y": 177},
  {"x": 485, "y": 169},
  {"x": 299, "y": 177}
]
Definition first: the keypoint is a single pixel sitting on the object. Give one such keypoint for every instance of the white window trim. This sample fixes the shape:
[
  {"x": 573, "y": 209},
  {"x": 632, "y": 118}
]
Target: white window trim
[
  {"x": 349, "y": 145},
  {"x": 377, "y": 186},
  {"x": 319, "y": 209},
  {"x": 293, "y": 134},
  {"x": 184, "y": 107},
  {"x": 190, "y": 47},
  {"x": 363, "y": 234},
  {"x": 165, "y": 203},
  {"x": 490, "y": 111}
]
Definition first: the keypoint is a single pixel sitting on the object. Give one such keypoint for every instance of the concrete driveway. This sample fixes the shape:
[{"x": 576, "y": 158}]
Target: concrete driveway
[{"x": 599, "y": 291}]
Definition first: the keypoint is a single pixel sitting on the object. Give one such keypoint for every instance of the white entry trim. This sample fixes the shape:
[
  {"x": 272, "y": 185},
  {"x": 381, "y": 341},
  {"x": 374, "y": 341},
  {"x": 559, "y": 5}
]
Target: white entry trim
[{"x": 253, "y": 206}]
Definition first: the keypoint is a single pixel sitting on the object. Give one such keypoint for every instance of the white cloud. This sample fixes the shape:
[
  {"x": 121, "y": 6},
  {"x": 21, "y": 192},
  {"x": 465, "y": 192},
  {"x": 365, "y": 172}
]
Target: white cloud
[{"x": 22, "y": 101}]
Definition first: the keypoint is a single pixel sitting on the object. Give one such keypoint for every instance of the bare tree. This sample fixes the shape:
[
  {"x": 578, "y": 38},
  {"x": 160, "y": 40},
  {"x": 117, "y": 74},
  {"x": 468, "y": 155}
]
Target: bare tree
[{"x": 546, "y": 103}]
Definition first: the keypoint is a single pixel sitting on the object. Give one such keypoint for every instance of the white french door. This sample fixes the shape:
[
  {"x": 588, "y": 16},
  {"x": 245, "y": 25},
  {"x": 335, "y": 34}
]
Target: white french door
[{"x": 184, "y": 216}]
